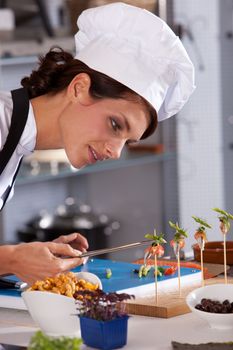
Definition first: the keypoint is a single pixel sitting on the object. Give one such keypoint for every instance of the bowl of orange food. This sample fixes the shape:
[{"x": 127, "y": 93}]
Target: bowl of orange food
[{"x": 52, "y": 304}]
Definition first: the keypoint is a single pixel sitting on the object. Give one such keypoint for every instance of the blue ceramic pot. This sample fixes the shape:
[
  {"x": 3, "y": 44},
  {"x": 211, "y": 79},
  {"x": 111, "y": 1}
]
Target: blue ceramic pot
[{"x": 104, "y": 335}]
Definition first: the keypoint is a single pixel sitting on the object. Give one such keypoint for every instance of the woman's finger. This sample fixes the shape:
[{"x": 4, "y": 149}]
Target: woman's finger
[
  {"x": 68, "y": 264},
  {"x": 63, "y": 249},
  {"x": 76, "y": 239}
]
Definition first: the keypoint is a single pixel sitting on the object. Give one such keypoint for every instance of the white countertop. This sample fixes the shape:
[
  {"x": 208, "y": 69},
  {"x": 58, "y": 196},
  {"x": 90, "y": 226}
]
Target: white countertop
[{"x": 16, "y": 327}]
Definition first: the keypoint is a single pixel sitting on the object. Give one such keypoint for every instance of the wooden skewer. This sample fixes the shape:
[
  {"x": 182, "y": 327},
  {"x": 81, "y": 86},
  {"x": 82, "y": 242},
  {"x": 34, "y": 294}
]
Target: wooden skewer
[
  {"x": 202, "y": 268},
  {"x": 178, "y": 265},
  {"x": 156, "y": 282},
  {"x": 225, "y": 257}
]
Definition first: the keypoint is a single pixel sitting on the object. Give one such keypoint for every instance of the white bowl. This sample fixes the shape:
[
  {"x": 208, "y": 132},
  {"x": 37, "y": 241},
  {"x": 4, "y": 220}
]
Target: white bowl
[
  {"x": 218, "y": 292},
  {"x": 56, "y": 314}
]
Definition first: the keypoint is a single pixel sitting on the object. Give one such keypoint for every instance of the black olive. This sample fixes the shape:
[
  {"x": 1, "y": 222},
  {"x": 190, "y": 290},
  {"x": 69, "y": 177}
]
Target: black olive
[
  {"x": 215, "y": 306},
  {"x": 198, "y": 307}
]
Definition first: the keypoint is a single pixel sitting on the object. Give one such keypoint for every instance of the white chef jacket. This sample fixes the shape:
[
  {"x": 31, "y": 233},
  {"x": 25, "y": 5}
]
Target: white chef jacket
[{"x": 25, "y": 146}]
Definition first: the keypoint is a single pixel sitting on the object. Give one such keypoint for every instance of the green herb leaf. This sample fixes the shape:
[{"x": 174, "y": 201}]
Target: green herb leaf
[
  {"x": 149, "y": 236},
  {"x": 158, "y": 239},
  {"x": 224, "y": 213},
  {"x": 180, "y": 232},
  {"x": 201, "y": 221},
  {"x": 40, "y": 341},
  {"x": 220, "y": 211}
]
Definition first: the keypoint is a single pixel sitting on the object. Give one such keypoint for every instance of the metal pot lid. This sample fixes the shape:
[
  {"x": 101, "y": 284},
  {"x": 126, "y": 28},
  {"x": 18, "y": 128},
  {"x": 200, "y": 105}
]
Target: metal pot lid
[
  {"x": 70, "y": 216},
  {"x": 81, "y": 215}
]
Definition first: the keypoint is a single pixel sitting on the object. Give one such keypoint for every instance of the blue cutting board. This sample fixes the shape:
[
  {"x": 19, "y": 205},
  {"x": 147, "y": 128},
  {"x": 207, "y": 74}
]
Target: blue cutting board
[{"x": 123, "y": 278}]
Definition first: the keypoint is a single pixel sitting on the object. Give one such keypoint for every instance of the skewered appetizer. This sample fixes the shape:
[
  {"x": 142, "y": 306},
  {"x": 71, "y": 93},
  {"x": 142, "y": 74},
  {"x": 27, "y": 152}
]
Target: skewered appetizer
[
  {"x": 224, "y": 219},
  {"x": 225, "y": 225},
  {"x": 200, "y": 234},
  {"x": 156, "y": 250},
  {"x": 201, "y": 238},
  {"x": 177, "y": 242},
  {"x": 156, "y": 247}
]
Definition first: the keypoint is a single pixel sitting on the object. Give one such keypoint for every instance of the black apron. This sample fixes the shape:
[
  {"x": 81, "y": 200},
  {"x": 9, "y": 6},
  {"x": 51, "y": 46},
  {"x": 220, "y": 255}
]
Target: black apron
[{"x": 18, "y": 121}]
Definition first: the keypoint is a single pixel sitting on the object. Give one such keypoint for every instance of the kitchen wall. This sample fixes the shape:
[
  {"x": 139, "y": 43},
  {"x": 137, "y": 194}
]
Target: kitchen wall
[
  {"x": 203, "y": 180},
  {"x": 226, "y": 50}
]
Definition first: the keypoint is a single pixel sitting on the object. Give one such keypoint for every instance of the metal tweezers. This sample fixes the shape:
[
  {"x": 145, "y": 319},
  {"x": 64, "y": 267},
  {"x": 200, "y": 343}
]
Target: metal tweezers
[{"x": 115, "y": 249}]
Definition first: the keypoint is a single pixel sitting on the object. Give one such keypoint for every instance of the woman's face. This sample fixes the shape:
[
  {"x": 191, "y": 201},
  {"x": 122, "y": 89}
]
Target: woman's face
[{"x": 98, "y": 130}]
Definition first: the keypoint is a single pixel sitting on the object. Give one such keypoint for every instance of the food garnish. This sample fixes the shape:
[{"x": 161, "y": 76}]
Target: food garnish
[
  {"x": 108, "y": 273},
  {"x": 225, "y": 225},
  {"x": 155, "y": 250},
  {"x": 201, "y": 238},
  {"x": 144, "y": 270},
  {"x": 41, "y": 341},
  {"x": 224, "y": 219},
  {"x": 177, "y": 243},
  {"x": 160, "y": 271},
  {"x": 64, "y": 284},
  {"x": 156, "y": 247},
  {"x": 200, "y": 234},
  {"x": 170, "y": 271}
]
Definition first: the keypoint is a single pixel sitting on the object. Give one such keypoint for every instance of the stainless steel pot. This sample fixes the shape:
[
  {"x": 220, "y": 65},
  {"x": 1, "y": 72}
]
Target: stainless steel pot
[{"x": 69, "y": 218}]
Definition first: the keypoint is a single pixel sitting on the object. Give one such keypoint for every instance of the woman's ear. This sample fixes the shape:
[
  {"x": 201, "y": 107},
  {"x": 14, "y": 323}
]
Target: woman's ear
[{"x": 78, "y": 89}]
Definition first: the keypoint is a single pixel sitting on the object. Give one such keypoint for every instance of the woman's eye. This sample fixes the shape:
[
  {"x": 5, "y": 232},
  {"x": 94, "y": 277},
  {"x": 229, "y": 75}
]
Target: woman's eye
[{"x": 115, "y": 125}]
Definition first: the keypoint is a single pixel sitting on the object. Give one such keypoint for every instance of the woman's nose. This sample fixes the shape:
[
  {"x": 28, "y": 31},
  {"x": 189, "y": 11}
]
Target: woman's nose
[{"x": 114, "y": 150}]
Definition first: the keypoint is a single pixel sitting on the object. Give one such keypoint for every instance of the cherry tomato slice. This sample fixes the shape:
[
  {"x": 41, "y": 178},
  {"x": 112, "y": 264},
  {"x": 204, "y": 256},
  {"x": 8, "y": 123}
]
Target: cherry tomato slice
[
  {"x": 170, "y": 270},
  {"x": 181, "y": 243}
]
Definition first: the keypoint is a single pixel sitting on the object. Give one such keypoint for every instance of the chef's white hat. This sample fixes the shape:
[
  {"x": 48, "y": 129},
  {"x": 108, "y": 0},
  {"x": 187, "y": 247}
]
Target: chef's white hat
[{"x": 138, "y": 49}]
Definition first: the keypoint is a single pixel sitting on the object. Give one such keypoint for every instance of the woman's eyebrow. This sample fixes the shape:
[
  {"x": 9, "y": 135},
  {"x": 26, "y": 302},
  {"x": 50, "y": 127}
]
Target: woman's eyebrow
[
  {"x": 126, "y": 122},
  {"x": 128, "y": 128}
]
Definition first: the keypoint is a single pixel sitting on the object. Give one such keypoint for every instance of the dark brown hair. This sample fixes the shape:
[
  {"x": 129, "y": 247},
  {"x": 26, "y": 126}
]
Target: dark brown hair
[{"x": 57, "y": 69}]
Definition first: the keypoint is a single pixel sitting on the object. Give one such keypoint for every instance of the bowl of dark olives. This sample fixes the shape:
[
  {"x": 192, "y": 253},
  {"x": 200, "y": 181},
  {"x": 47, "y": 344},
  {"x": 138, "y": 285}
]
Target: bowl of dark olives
[{"x": 214, "y": 304}]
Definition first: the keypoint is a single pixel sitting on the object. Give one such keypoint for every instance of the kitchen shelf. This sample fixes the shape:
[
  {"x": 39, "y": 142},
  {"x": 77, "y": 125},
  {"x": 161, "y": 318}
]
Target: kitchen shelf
[
  {"x": 12, "y": 61},
  {"x": 64, "y": 170},
  {"x": 17, "y": 52}
]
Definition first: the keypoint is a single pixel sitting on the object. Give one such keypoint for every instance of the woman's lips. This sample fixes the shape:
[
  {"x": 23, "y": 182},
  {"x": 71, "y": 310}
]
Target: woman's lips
[{"x": 93, "y": 155}]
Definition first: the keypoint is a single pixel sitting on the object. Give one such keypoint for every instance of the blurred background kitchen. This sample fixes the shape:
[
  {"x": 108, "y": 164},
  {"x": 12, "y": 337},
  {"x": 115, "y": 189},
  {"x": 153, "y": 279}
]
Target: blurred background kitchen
[{"x": 185, "y": 169}]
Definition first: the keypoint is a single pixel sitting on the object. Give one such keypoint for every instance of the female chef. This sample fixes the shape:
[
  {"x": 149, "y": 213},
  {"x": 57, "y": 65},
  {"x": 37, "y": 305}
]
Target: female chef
[{"x": 129, "y": 71}]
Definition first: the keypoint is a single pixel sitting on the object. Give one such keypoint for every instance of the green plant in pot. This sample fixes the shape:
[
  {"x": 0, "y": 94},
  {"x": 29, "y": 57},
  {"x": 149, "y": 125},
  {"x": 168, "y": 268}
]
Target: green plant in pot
[{"x": 103, "y": 319}]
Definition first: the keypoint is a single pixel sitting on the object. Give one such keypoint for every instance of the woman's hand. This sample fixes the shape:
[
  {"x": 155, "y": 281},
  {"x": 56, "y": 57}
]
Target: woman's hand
[
  {"x": 76, "y": 240},
  {"x": 38, "y": 260}
]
